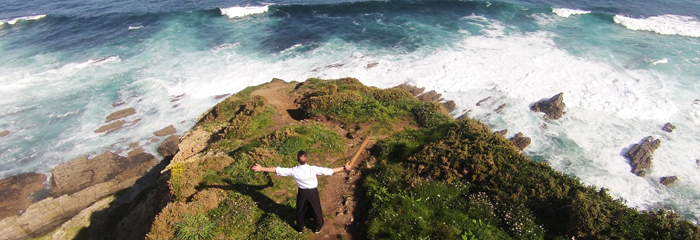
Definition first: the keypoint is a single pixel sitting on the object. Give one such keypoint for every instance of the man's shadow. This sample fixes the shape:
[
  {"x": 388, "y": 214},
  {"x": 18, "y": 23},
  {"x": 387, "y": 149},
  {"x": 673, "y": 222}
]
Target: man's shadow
[{"x": 269, "y": 206}]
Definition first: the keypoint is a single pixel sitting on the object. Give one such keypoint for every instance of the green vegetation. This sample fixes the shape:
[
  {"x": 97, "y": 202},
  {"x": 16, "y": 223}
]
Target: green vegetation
[{"x": 434, "y": 177}]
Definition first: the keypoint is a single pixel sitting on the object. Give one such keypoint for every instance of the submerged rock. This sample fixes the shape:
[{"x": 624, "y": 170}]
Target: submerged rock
[
  {"x": 640, "y": 155},
  {"x": 668, "y": 180},
  {"x": 4, "y": 133},
  {"x": 169, "y": 130},
  {"x": 15, "y": 192},
  {"x": 552, "y": 108},
  {"x": 520, "y": 141},
  {"x": 668, "y": 127},
  {"x": 120, "y": 114}
]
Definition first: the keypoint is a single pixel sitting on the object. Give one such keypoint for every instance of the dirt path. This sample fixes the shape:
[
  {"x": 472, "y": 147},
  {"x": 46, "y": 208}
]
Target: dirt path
[{"x": 278, "y": 94}]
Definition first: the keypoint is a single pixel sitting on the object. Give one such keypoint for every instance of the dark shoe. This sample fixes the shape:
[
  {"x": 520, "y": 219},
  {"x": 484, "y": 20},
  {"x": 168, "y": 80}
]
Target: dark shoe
[{"x": 318, "y": 231}]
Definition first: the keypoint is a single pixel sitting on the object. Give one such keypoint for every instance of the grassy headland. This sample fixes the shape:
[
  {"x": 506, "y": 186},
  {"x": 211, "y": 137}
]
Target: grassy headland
[{"x": 428, "y": 176}]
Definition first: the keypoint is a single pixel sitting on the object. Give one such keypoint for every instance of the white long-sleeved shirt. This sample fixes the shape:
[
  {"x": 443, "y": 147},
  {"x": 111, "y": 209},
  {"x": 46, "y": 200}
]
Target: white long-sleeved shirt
[{"x": 305, "y": 175}]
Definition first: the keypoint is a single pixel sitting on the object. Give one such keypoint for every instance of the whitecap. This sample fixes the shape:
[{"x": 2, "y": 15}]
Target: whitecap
[
  {"x": 15, "y": 20},
  {"x": 237, "y": 12},
  {"x": 224, "y": 46},
  {"x": 661, "y": 61},
  {"x": 565, "y": 13},
  {"x": 664, "y": 24},
  {"x": 135, "y": 27}
]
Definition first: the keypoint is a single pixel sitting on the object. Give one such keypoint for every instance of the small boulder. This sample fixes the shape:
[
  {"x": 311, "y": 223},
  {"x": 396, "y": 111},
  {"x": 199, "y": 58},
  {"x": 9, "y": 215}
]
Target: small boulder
[
  {"x": 668, "y": 180},
  {"x": 552, "y": 108},
  {"x": 4, "y": 133},
  {"x": 500, "y": 108},
  {"x": 668, "y": 127},
  {"x": 169, "y": 130},
  {"x": 640, "y": 155},
  {"x": 170, "y": 146},
  {"x": 449, "y": 105},
  {"x": 120, "y": 114},
  {"x": 520, "y": 141}
]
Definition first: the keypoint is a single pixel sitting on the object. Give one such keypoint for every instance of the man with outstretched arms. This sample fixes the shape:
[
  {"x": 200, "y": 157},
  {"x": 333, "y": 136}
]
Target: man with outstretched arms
[{"x": 307, "y": 197}]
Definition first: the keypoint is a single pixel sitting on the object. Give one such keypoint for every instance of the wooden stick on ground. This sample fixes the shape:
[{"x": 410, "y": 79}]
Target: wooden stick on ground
[{"x": 359, "y": 151}]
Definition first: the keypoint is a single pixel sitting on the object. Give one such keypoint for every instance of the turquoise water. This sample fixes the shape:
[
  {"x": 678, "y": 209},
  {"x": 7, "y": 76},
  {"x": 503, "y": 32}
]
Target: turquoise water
[{"x": 625, "y": 70}]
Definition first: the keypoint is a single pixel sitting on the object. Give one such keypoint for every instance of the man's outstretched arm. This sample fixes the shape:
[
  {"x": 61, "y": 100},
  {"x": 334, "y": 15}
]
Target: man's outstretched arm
[
  {"x": 259, "y": 168},
  {"x": 347, "y": 167}
]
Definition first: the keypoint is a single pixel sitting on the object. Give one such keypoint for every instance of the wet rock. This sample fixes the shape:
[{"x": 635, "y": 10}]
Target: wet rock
[
  {"x": 640, "y": 155},
  {"x": 668, "y": 180},
  {"x": 120, "y": 114},
  {"x": 668, "y": 127},
  {"x": 449, "y": 105},
  {"x": 111, "y": 127},
  {"x": 169, "y": 130},
  {"x": 464, "y": 116},
  {"x": 4, "y": 133},
  {"x": 502, "y": 132},
  {"x": 431, "y": 96},
  {"x": 133, "y": 145},
  {"x": 482, "y": 101},
  {"x": 552, "y": 108},
  {"x": 371, "y": 65},
  {"x": 500, "y": 108},
  {"x": 15, "y": 192},
  {"x": 81, "y": 173},
  {"x": 217, "y": 97},
  {"x": 170, "y": 146},
  {"x": 411, "y": 89},
  {"x": 520, "y": 141}
]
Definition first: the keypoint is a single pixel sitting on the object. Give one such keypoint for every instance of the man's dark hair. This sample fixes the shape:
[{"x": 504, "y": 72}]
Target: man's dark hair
[{"x": 300, "y": 154}]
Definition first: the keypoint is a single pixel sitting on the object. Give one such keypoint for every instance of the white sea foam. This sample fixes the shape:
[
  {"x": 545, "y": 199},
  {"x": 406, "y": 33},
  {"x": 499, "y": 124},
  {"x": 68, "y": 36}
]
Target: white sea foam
[
  {"x": 661, "y": 61},
  {"x": 565, "y": 13},
  {"x": 237, "y": 12},
  {"x": 15, "y": 20},
  {"x": 665, "y": 24},
  {"x": 135, "y": 27}
]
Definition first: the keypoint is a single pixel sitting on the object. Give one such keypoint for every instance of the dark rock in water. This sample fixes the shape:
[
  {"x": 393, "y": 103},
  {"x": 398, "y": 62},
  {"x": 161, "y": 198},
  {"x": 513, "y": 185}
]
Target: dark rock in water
[
  {"x": 111, "y": 127},
  {"x": 170, "y": 146},
  {"x": 668, "y": 127},
  {"x": 500, "y": 108},
  {"x": 640, "y": 155},
  {"x": 411, "y": 89},
  {"x": 81, "y": 173},
  {"x": 4, "y": 133},
  {"x": 520, "y": 141},
  {"x": 169, "y": 130},
  {"x": 217, "y": 97},
  {"x": 431, "y": 96},
  {"x": 464, "y": 116},
  {"x": 502, "y": 132},
  {"x": 449, "y": 105},
  {"x": 371, "y": 65},
  {"x": 15, "y": 192},
  {"x": 120, "y": 114},
  {"x": 482, "y": 101},
  {"x": 552, "y": 108},
  {"x": 668, "y": 180}
]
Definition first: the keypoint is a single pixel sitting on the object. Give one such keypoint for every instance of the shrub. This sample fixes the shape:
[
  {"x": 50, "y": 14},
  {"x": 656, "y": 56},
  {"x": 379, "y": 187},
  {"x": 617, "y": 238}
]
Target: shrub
[{"x": 197, "y": 227}]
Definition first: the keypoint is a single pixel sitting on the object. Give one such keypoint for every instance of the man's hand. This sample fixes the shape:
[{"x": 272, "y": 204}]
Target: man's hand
[
  {"x": 257, "y": 168},
  {"x": 348, "y": 167}
]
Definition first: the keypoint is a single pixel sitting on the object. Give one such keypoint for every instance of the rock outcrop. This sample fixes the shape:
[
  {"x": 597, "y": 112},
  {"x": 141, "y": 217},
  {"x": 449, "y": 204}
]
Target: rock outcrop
[
  {"x": 431, "y": 96},
  {"x": 640, "y": 155},
  {"x": 411, "y": 89},
  {"x": 194, "y": 142},
  {"x": 169, "y": 130},
  {"x": 502, "y": 132},
  {"x": 45, "y": 215},
  {"x": 170, "y": 146},
  {"x": 120, "y": 114},
  {"x": 668, "y": 127},
  {"x": 552, "y": 108},
  {"x": 668, "y": 180},
  {"x": 15, "y": 192},
  {"x": 81, "y": 173},
  {"x": 520, "y": 141}
]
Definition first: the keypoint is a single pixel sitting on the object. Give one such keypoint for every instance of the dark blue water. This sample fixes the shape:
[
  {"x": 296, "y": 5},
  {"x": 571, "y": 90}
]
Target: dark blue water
[{"x": 625, "y": 67}]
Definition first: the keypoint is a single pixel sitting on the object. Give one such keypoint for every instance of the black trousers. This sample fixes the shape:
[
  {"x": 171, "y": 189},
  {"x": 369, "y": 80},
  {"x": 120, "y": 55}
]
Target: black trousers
[{"x": 308, "y": 204}]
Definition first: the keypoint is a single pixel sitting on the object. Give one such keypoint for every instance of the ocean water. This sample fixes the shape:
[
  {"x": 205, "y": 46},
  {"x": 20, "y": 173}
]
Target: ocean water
[{"x": 625, "y": 67}]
